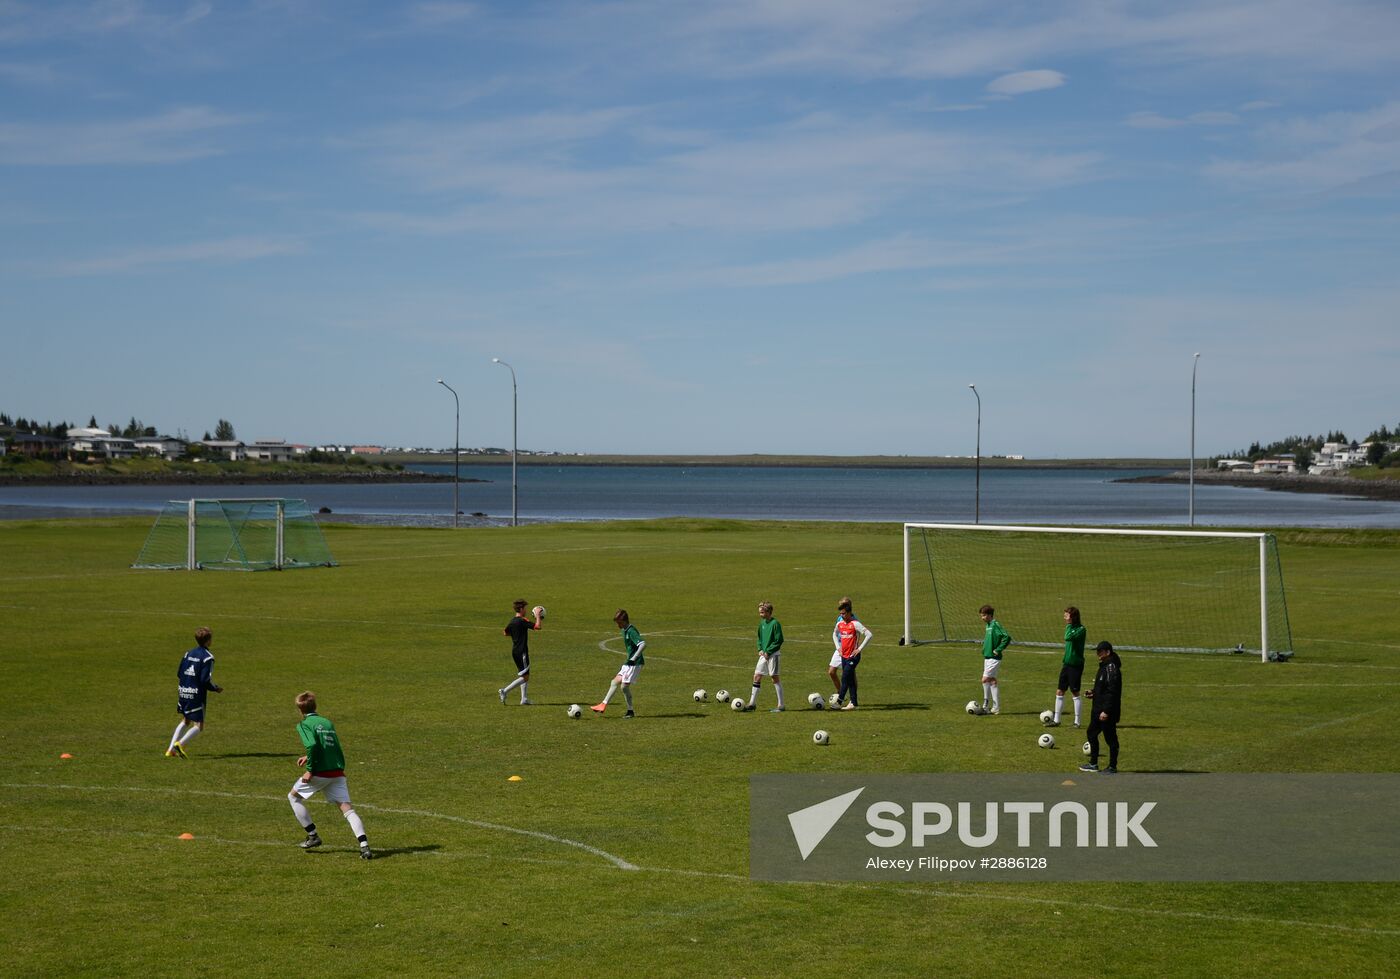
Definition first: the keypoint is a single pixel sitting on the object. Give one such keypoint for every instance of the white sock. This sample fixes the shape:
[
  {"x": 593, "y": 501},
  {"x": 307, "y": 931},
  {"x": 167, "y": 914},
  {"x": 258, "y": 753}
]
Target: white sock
[
  {"x": 996, "y": 697},
  {"x": 1059, "y": 706},
  {"x": 524, "y": 690},
  {"x": 1076, "y": 710},
  {"x": 176, "y": 736},
  {"x": 627, "y": 693},
  {"x": 356, "y": 827},
  {"x": 778, "y": 688},
  {"x": 612, "y": 689},
  {"x": 301, "y": 812},
  {"x": 986, "y": 693},
  {"x": 753, "y": 697},
  {"x": 191, "y": 734},
  {"x": 517, "y": 682}
]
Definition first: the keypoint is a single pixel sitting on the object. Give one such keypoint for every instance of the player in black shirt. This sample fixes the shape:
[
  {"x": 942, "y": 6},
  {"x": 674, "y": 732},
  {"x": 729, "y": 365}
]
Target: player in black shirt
[
  {"x": 518, "y": 629},
  {"x": 1107, "y": 698}
]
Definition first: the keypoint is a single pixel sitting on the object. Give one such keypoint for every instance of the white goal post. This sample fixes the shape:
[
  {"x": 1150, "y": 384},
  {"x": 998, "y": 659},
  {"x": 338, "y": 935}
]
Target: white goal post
[
  {"x": 1168, "y": 590},
  {"x": 235, "y": 535}
]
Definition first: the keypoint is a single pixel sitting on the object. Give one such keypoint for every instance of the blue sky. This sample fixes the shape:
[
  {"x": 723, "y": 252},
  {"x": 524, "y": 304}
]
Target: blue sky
[{"x": 771, "y": 225}]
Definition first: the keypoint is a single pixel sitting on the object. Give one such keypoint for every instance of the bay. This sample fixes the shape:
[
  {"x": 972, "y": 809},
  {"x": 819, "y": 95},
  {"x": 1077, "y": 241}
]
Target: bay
[{"x": 566, "y": 493}]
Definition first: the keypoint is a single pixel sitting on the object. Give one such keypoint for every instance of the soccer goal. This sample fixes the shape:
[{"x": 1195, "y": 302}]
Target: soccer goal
[
  {"x": 1167, "y": 590},
  {"x": 235, "y": 535}
]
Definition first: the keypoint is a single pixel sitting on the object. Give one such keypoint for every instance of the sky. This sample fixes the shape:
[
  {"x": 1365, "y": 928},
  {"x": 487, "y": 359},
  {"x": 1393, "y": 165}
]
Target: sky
[{"x": 733, "y": 226}]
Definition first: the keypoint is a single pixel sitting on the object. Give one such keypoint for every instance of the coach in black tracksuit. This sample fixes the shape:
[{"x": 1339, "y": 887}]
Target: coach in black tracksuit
[{"x": 1107, "y": 697}]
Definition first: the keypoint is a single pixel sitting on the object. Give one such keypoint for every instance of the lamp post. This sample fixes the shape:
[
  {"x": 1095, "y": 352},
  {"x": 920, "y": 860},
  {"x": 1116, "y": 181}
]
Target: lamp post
[
  {"x": 514, "y": 437},
  {"x": 977, "y": 498},
  {"x": 1191, "y": 473},
  {"x": 456, "y": 450}
]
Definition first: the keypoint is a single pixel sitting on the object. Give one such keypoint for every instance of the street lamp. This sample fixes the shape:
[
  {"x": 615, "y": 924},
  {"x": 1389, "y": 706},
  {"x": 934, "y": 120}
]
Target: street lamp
[
  {"x": 1191, "y": 473},
  {"x": 977, "y": 504},
  {"x": 456, "y": 450},
  {"x": 514, "y": 437}
]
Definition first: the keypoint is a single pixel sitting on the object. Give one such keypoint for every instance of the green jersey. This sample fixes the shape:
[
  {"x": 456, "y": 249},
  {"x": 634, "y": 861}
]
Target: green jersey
[
  {"x": 323, "y": 752},
  {"x": 634, "y": 642},
  {"x": 770, "y": 636},
  {"x": 995, "y": 641},
  {"x": 1074, "y": 645}
]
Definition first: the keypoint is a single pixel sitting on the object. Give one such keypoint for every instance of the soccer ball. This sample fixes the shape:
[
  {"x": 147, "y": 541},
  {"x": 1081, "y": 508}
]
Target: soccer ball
[
  {"x": 736, "y": 704},
  {"x": 575, "y": 711},
  {"x": 539, "y": 611},
  {"x": 1046, "y": 740},
  {"x": 821, "y": 737},
  {"x": 1088, "y": 748},
  {"x": 700, "y": 696},
  {"x": 974, "y": 708},
  {"x": 1046, "y": 716},
  {"x": 815, "y": 700},
  {"x": 833, "y": 700},
  {"x": 722, "y": 696}
]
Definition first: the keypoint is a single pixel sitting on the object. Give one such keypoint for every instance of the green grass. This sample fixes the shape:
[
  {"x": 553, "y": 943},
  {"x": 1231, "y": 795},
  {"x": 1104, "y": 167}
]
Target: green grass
[{"x": 403, "y": 644}]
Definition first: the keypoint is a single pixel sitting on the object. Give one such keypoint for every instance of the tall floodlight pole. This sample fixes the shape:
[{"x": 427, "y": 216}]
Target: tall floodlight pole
[
  {"x": 1191, "y": 473},
  {"x": 977, "y": 498},
  {"x": 514, "y": 437},
  {"x": 456, "y": 450}
]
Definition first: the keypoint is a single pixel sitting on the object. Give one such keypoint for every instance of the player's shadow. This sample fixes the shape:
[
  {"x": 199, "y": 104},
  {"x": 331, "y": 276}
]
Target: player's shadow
[
  {"x": 384, "y": 854},
  {"x": 1141, "y": 727},
  {"x": 1170, "y": 771},
  {"x": 896, "y": 707},
  {"x": 254, "y": 754},
  {"x": 682, "y": 715}
]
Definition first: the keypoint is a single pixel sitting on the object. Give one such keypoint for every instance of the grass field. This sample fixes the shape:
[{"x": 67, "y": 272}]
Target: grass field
[{"x": 481, "y": 875}]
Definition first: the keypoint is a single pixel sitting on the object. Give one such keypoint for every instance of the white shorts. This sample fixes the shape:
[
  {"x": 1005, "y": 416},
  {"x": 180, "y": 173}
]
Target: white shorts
[
  {"x": 767, "y": 665},
  {"x": 628, "y": 674},
  {"x": 989, "y": 668},
  {"x": 334, "y": 788},
  {"x": 836, "y": 660}
]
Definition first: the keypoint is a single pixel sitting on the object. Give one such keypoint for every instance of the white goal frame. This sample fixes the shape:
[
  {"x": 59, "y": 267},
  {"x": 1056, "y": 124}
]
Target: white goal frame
[{"x": 1262, "y": 538}]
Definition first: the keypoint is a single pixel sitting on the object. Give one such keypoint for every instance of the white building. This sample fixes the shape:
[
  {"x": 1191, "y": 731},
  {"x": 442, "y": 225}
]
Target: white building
[
  {"x": 99, "y": 442},
  {"x": 1278, "y": 464},
  {"x": 166, "y": 446},
  {"x": 232, "y": 451},
  {"x": 271, "y": 450}
]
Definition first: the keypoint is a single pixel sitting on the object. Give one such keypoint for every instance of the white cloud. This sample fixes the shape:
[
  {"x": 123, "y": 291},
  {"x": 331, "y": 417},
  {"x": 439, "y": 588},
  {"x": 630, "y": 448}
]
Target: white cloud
[
  {"x": 1021, "y": 82},
  {"x": 221, "y": 251},
  {"x": 1322, "y": 153},
  {"x": 171, "y": 137}
]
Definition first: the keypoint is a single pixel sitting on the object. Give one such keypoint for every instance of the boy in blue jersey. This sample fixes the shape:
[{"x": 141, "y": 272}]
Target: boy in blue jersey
[
  {"x": 626, "y": 676},
  {"x": 196, "y": 679}
]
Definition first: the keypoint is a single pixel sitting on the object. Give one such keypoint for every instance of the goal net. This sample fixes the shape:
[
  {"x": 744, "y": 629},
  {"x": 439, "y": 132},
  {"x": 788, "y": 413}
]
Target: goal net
[
  {"x": 235, "y": 535},
  {"x": 1176, "y": 591}
]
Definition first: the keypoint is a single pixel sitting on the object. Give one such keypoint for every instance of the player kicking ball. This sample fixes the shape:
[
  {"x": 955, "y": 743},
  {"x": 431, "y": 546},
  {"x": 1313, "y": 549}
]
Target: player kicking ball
[
  {"x": 196, "y": 678},
  {"x": 324, "y": 762},
  {"x": 626, "y": 676},
  {"x": 519, "y": 629}
]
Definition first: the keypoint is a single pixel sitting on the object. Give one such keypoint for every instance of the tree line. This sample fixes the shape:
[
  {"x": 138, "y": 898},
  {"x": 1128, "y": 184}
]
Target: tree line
[
  {"x": 135, "y": 428},
  {"x": 1304, "y": 447}
]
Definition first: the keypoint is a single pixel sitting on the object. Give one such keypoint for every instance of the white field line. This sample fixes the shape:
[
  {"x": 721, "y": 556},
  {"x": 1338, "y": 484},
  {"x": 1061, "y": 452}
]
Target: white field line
[
  {"x": 972, "y": 893},
  {"x": 616, "y": 861},
  {"x": 739, "y": 878}
]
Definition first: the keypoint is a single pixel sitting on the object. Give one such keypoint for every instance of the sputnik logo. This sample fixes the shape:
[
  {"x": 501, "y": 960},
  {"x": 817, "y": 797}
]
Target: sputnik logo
[{"x": 810, "y": 825}]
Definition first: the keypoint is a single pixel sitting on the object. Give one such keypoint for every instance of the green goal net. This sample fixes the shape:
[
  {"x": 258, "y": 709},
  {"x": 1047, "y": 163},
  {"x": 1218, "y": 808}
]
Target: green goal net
[
  {"x": 1177, "y": 591},
  {"x": 235, "y": 535}
]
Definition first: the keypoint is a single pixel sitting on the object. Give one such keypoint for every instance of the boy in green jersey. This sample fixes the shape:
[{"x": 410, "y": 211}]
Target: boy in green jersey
[
  {"x": 626, "y": 676},
  {"x": 994, "y": 643},
  {"x": 324, "y": 762},
  {"x": 1072, "y": 667},
  {"x": 770, "y": 646}
]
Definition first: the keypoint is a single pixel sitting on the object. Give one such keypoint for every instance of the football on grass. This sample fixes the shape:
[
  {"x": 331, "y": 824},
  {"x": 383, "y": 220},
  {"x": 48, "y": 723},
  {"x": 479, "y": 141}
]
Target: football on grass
[
  {"x": 575, "y": 711},
  {"x": 974, "y": 708},
  {"x": 1046, "y": 716},
  {"x": 1046, "y": 740},
  {"x": 736, "y": 704},
  {"x": 722, "y": 696},
  {"x": 700, "y": 696},
  {"x": 821, "y": 737},
  {"x": 815, "y": 700}
]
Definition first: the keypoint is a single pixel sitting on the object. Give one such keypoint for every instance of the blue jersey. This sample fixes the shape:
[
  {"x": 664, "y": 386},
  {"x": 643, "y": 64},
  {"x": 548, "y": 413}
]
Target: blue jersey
[{"x": 196, "y": 676}]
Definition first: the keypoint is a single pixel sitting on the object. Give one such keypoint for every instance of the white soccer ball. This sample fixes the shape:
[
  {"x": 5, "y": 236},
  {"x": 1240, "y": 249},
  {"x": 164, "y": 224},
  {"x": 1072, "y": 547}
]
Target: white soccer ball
[
  {"x": 821, "y": 737},
  {"x": 1046, "y": 716},
  {"x": 815, "y": 700},
  {"x": 575, "y": 711},
  {"x": 736, "y": 704},
  {"x": 722, "y": 696},
  {"x": 700, "y": 696},
  {"x": 539, "y": 611},
  {"x": 833, "y": 700},
  {"x": 1046, "y": 740},
  {"x": 1088, "y": 748},
  {"x": 974, "y": 708}
]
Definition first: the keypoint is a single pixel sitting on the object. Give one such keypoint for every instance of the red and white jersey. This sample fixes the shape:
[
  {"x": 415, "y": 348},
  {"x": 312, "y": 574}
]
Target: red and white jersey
[{"x": 845, "y": 637}]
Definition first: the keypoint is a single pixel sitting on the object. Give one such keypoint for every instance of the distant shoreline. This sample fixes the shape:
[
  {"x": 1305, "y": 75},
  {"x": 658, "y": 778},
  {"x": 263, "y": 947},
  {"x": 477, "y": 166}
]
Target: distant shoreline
[
  {"x": 186, "y": 478},
  {"x": 1370, "y": 489},
  {"x": 785, "y": 461}
]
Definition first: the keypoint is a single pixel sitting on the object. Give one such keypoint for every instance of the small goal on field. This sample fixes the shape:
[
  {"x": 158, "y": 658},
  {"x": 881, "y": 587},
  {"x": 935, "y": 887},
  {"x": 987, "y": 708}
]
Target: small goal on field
[
  {"x": 235, "y": 535},
  {"x": 1167, "y": 590}
]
